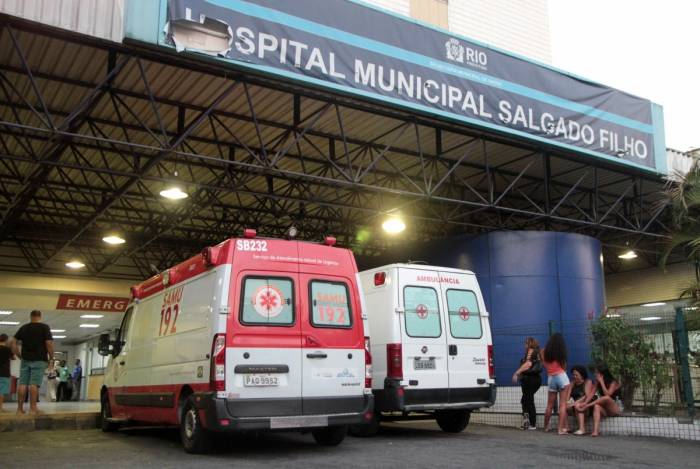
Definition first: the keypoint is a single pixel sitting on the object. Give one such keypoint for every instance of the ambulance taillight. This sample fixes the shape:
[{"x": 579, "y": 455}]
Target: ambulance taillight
[
  {"x": 379, "y": 279},
  {"x": 368, "y": 365},
  {"x": 492, "y": 367},
  {"x": 394, "y": 361},
  {"x": 218, "y": 363}
]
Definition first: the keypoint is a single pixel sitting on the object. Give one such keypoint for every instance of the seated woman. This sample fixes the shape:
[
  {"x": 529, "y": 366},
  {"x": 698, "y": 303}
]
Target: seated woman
[
  {"x": 608, "y": 390},
  {"x": 582, "y": 393}
]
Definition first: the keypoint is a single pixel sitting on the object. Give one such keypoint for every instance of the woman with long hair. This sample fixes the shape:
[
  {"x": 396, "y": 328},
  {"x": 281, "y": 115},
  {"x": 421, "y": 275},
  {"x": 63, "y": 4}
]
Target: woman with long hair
[
  {"x": 608, "y": 390},
  {"x": 554, "y": 360},
  {"x": 582, "y": 392},
  {"x": 530, "y": 377}
]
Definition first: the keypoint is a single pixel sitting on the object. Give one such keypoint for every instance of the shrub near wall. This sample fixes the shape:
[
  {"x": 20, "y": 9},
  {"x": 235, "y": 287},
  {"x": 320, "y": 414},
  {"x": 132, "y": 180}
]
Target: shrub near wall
[{"x": 631, "y": 359}]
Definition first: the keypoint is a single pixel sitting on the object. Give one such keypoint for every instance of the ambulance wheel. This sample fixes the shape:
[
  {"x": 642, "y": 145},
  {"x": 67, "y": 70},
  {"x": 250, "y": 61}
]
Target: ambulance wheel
[
  {"x": 452, "y": 421},
  {"x": 330, "y": 436},
  {"x": 368, "y": 429},
  {"x": 195, "y": 438},
  {"x": 106, "y": 414}
]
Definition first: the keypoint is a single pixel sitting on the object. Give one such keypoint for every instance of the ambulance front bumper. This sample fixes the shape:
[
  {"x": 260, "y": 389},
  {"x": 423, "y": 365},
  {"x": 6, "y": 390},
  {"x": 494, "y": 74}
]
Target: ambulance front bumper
[{"x": 216, "y": 414}]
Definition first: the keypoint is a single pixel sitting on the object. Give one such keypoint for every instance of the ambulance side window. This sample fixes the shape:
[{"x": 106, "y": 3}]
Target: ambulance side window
[
  {"x": 422, "y": 313},
  {"x": 463, "y": 310},
  {"x": 124, "y": 328},
  {"x": 267, "y": 301},
  {"x": 329, "y": 304}
]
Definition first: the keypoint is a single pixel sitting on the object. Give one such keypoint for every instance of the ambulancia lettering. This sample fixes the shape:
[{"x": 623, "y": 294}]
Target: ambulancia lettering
[{"x": 432, "y": 279}]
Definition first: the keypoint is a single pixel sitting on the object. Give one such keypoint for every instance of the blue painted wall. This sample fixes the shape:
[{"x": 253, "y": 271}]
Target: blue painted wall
[{"x": 528, "y": 279}]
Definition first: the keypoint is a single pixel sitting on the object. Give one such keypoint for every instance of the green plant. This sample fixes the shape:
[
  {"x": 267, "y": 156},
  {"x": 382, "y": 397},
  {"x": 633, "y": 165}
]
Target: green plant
[
  {"x": 630, "y": 358},
  {"x": 654, "y": 378}
]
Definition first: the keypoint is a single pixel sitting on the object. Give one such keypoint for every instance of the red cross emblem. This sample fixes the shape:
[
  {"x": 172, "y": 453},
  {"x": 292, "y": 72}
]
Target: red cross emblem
[
  {"x": 463, "y": 313},
  {"x": 422, "y": 311}
]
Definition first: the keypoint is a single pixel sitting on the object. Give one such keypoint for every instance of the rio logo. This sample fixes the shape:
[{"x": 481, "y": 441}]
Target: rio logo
[{"x": 170, "y": 311}]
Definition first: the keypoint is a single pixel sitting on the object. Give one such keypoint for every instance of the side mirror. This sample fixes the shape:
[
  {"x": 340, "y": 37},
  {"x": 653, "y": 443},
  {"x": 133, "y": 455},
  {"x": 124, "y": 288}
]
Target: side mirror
[{"x": 104, "y": 345}]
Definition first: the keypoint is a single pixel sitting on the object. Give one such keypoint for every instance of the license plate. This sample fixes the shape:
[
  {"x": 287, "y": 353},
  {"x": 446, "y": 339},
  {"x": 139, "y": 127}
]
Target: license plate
[
  {"x": 299, "y": 422},
  {"x": 428, "y": 364},
  {"x": 260, "y": 380}
]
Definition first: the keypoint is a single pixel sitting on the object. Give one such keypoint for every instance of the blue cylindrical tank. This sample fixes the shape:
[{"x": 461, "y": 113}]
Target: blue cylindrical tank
[{"x": 533, "y": 282}]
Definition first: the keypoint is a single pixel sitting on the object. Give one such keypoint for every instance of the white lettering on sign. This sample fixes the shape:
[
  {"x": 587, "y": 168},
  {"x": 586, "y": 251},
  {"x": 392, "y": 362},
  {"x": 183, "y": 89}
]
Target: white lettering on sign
[
  {"x": 251, "y": 245},
  {"x": 429, "y": 278},
  {"x": 91, "y": 303}
]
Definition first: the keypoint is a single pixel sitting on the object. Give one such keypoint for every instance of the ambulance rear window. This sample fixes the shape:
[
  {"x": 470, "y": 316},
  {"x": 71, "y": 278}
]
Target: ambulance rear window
[
  {"x": 267, "y": 301},
  {"x": 329, "y": 304},
  {"x": 463, "y": 308},
  {"x": 422, "y": 312}
]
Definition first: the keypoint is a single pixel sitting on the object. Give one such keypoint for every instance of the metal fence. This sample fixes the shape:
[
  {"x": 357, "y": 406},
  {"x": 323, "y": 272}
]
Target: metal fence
[{"x": 663, "y": 403}]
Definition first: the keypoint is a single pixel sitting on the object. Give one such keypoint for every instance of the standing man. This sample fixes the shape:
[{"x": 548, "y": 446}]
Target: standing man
[
  {"x": 63, "y": 377},
  {"x": 77, "y": 377},
  {"x": 5, "y": 357},
  {"x": 37, "y": 349}
]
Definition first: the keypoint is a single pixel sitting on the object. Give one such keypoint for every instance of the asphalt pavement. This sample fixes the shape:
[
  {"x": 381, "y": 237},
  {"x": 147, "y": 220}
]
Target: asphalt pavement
[{"x": 414, "y": 444}]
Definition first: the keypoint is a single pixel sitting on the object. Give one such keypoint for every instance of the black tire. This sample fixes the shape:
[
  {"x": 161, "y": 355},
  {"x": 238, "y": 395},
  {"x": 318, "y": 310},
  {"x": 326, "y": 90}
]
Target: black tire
[
  {"x": 330, "y": 436},
  {"x": 453, "y": 421},
  {"x": 106, "y": 414},
  {"x": 365, "y": 430},
  {"x": 195, "y": 438}
]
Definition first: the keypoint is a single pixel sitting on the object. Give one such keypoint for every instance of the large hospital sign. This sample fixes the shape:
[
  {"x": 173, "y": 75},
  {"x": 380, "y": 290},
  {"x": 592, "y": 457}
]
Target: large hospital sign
[{"x": 353, "y": 48}]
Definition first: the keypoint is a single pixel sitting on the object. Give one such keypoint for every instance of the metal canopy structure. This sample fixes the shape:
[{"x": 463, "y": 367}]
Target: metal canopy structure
[{"x": 91, "y": 132}]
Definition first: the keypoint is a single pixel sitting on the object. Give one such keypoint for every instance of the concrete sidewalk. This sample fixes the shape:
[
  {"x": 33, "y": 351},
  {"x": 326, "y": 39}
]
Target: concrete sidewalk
[{"x": 54, "y": 416}]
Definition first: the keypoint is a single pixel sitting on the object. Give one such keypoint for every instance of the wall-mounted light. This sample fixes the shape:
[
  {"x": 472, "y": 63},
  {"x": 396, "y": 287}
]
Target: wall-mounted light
[{"x": 627, "y": 255}]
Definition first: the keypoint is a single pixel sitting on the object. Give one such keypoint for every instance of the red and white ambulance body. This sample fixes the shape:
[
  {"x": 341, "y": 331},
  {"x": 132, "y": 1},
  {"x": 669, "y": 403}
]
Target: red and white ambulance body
[
  {"x": 252, "y": 334},
  {"x": 431, "y": 344}
]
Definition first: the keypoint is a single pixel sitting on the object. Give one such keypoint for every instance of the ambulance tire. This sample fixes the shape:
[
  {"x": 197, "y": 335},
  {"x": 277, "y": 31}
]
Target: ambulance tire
[
  {"x": 330, "y": 436},
  {"x": 106, "y": 414},
  {"x": 195, "y": 438},
  {"x": 453, "y": 421},
  {"x": 366, "y": 430}
]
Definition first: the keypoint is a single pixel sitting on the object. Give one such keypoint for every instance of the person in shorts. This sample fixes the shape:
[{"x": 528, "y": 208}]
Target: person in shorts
[
  {"x": 554, "y": 360},
  {"x": 36, "y": 350},
  {"x": 5, "y": 357}
]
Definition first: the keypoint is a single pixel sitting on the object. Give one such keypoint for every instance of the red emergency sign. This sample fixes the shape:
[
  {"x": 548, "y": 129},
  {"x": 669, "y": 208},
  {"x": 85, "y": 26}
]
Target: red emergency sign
[{"x": 92, "y": 303}]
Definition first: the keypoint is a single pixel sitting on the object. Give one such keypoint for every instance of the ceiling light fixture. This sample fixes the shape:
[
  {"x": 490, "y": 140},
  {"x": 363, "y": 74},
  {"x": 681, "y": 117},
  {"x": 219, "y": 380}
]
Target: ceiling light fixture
[
  {"x": 5, "y": 312},
  {"x": 58, "y": 330},
  {"x": 59, "y": 337},
  {"x": 650, "y": 318},
  {"x": 612, "y": 315},
  {"x": 92, "y": 316},
  {"x": 75, "y": 265},
  {"x": 173, "y": 193},
  {"x": 393, "y": 225},
  {"x": 89, "y": 326},
  {"x": 649, "y": 305},
  {"x": 113, "y": 239},
  {"x": 9, "y": 323},
  {"x": 628, "y": 255}
]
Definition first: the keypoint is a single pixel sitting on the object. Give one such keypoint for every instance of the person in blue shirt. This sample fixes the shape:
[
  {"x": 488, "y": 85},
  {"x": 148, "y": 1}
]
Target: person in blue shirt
[{"x": 77, "y": 378}]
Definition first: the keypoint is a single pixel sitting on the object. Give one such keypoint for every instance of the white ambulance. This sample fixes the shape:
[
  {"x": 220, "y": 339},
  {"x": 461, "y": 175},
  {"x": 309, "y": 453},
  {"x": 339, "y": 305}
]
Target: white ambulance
[
  {"x": 252, "y": 334},
  {"x": 431, "y": 344}
]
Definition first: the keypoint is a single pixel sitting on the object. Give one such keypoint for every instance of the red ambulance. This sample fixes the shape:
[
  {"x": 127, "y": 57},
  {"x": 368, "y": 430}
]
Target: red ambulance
[{"x": 251, "y": 334}]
